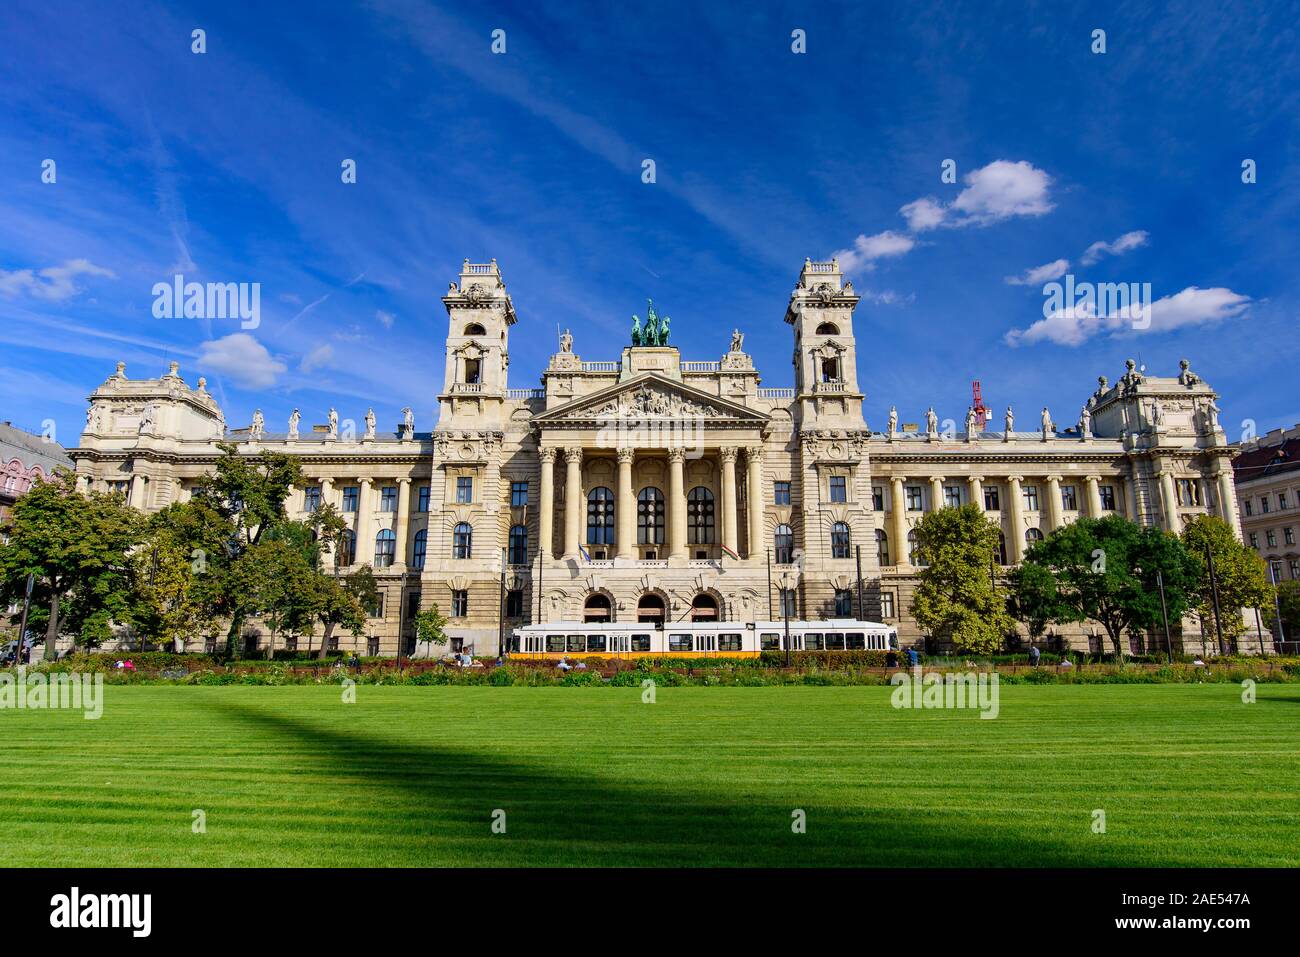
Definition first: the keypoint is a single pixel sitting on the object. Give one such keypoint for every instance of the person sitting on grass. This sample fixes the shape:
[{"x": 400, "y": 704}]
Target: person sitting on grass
[
  {"x": 563, "y": 664},
  {"x": 1066, "y": 662}
]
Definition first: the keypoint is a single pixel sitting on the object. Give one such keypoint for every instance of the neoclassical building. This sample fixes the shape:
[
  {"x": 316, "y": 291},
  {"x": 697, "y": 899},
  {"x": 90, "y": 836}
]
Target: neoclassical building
[{"x": 652, "y": 487}]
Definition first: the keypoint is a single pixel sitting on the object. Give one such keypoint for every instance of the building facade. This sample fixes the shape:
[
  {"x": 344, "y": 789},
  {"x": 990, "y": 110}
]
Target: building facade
[
  {"x": 25, "y": 458},
  {"x": 1267, "y": 473},
  {"x": 652, "y": 487}
]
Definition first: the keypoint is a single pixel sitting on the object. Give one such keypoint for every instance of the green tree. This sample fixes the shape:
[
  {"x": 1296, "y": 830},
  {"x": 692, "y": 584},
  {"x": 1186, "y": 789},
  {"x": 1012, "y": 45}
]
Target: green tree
[
  {"x": 1288, "y": 602},
  {"x": 344, "y": 602},
  {"x": 77, "y": 547},
  {"x": 250, "y": 494},
  {"x": 429, "y": 625},
  {"x": 1034, "y": 598},
  {"x": 956, "y": 597},
  {"x": 1105, "y": 570},
  {"x": 1238, "y": 570}
]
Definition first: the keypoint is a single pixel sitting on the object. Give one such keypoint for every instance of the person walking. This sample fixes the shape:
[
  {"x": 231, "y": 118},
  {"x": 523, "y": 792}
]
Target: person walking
[{"x": 1034, "y": 655}]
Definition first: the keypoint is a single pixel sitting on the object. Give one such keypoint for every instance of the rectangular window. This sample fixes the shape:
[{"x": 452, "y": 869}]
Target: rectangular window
[
  {"x": 814, "y": 642},
  {"x": 728, "y": 642},
  {"x": 1275, "y": 567},
  {"x": 1249, "y": 510},
  {"x": 1288, "y": 535},
  {"x": 1189, "y": 493},
  {"x": 577, "y": 643},
  {"x": 422, "y": 499},
  {"x": 351, "y": 496},
  {"x": 843, "y": 603},
  {"x": 378, "y": 610},
  {"x": 640, "y": 642},
  {"x": 412, "y": 604},
  {"x": 596, "y": 644},
  {"x": 554, "y": 643},
  {"x": 514, "y": 604},
  {"x": 679, "y": 642},
  {"x": 464, "y": 490},
  {"x": 886, "y": 604},
  {"x": 459, "y": 603},
  {"x": 839, "y": 489},
  {"x": 952, "y": 496},
  {"x": 1281, "y": 501},
  {"x": 311, "y": 498},
  {"x": 1271, "y": 537},
  {"x": 1254, "y": 540},
  {"x": 1107, "y": 495},
  {"x": 1030, "y": 494},
  {"x": 834, "y": 642},
  {"x": 1263, "y": 505},
  {"x": 1294, "y": 565},
  {"x": 518, "y": 494},
  {"x": 388, "y": 498},
  {"x": 1069, "y": 501},
  {"x": 855, "y": 641},
  {"x": 913, "y": 498},
  {"x": 878, "y": 498},
  {"x": 781, "y": 494},
  {"x": 770, "y": 641},
  {"x": 992, "y": 499}
]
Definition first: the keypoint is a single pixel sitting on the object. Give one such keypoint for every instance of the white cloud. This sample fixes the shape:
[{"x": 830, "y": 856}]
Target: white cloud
[
  {"x": 54, "y": 283},
  {"x": 242, "y": 358},
  {"x": 385, "y": 318},
  {"x": 923, "y": 214},
  {"x": 1040, "y": 274},
  {"x": 322, "y": 355},
  {"x": 1097, "y": 250},
  {"x": 867, "y": 249},
  {"x": 1192, "y": 306},
  {"x": 1000, "y": 190}
]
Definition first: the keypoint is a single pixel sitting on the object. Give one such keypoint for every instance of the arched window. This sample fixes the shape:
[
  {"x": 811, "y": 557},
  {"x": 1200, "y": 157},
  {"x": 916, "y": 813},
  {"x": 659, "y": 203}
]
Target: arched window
[
  {"x": 600, "y": 517},
  {"x": 419, "y": 549},
  {"x": 784, "y": 545},
  {"x": 828, "y": 329},
  {"x": 518, "y": 545},
  {"x": 699, "y": 516},
  {"x": 840, "y": 540},
  {"x": 385, "y": 547},
  {"x": 650, "y": 608},
  {"x": 911, "y": 550},
  {"x": 597, "y": 609},
  {"x": 650, "y": 517},
  {"x": 462, "y": 541},
  {"x": 474, "y": 329},
  {"x": 882, "y": 547},
  {"x": 347, "y": 547},
  {"x": 1033, "y": 535},
  {"x": 1001, "y": 555},
  {"x": 704, "y": 607}
]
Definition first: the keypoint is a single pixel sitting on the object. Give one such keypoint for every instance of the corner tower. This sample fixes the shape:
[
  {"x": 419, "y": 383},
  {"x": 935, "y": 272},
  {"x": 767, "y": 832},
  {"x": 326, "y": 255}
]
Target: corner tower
[
  {"x": 825, "y": 355},
  {"x": 479, "y": 317}
]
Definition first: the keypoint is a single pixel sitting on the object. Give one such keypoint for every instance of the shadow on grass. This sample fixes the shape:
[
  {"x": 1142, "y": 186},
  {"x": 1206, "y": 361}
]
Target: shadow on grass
[{"x": 563, "y": 817}]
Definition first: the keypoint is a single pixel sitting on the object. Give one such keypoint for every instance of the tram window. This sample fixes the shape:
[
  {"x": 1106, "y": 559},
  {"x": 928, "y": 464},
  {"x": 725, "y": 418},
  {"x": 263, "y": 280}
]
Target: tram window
[
  {"x": 771, "y": 641},
  {"x": 577, "y": 642},
  {"x": 813, "y": 642},
  {"x": 640, "y": 642},
  {"x": 596, "y": 643},
  {"x": 512, "y": 644},
  {"x": 728, "y": 642},
  {"x": 855, "y": 640},
  {"x": 834, "y": 642},
  {"x": 893, "y": 640},
  {"x": 554, "y": 642},
  {"x": 679, "y": 642}
]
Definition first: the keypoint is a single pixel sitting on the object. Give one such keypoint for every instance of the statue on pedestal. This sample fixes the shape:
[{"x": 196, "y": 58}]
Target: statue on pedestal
[
  {"x": 931, "y": 421},
  {"x": 408, "y": 423},
  {"x": 1011, "y": 424},
  {"x": 258, "y": 427},
  {"x": 893, "y": 421},
  {"x": 294, "y": 418},
  {"x": 970, "y": 424},
  {"x": 370, "y": 423},
  {"x": 333, "y": 422},
  {"x": 566, "y": 341},
  {"x": 737, "y": 340}
]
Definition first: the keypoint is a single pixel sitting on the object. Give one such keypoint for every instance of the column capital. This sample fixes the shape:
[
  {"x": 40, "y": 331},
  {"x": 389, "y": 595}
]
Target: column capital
[
  {"x": 1092, "y": 479},
  {"x": 728, "y": 453},
  {"x": 1054, "y": 478},
  {"x": 573, "y": 455},
  {"x": 547, "y": 453},
  {"x": 1015, "y": 479},
  {"x": 626, "y": 456},
  {"x": 677, "y": 455},
  {"x": 754, "y": 453},
  {"x": 975, "y": 478}
]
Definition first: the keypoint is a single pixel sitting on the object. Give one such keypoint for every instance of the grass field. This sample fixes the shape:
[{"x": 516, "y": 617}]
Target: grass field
[{"x": 1187, "y": 775}]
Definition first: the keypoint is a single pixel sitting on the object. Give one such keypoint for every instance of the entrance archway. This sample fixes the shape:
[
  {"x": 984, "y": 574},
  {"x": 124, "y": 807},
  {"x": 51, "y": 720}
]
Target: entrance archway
[
  {"x": 704, "y": 607},
  {"x": 650, "y": 609},
  {"x": 597, "y": 609}
]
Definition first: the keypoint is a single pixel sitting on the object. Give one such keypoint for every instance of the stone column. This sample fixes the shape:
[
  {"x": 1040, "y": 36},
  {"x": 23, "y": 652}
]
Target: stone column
[
  {"x": 936, "y": 492},
  {"x": 1094, "y": 497},
  {"x": 1168, "y": 501},
  {"x": 137, "y": 496},
  {"x": 546, "y": 503},
  {"x": 1130, "y": 499},
  {"x": 729, "y": 537},
  {"x": 326, "y": 498},
  {"x": 1227, "y": 499},
  {"x": 898, "y": 549},
  {"x": 1014, "y": 507},
  {"x": 573, "y": 503},
  {"x": 365, "y": 537},
  {"x": 403, "y": 520},
  {"x": 754, "y": 498},
  {"x": 625, "y": 507},
  {"x": 676, "y": 503},
  {"x": 1053, "y": 503},
  {"x": 976, "y": 484}
]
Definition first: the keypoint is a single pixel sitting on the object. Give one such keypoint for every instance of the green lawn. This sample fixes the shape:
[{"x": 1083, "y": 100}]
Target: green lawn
[{"x": 1187, "y": 775}]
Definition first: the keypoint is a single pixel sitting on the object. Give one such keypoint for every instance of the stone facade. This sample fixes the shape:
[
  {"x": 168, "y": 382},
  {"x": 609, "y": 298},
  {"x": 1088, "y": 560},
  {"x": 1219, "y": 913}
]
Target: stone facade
[
  {"x": 1267, "y": 474},
  {"x": 651, "y": 486},
  {"x": 25, "y": 458}
]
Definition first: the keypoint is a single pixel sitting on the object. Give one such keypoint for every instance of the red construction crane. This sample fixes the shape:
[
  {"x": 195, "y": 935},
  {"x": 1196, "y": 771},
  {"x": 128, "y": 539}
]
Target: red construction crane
[{"x": 981, "y": 413}]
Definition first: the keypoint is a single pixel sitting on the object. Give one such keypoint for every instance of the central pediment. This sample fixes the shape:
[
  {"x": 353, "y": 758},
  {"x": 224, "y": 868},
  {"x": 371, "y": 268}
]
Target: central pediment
[{"x": 650, "y": 396}]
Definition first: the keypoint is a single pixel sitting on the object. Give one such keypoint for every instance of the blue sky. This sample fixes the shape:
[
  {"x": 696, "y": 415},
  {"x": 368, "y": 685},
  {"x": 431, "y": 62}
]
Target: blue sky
[{"x": 226, "y": 166}]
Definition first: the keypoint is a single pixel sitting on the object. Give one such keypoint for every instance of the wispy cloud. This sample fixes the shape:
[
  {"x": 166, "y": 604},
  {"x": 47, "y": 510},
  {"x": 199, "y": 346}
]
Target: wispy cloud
[
  {"x": 1123, "y": 244},
  {"x": 1040, "y": 274},
  {"x": 1075, "y": 325},
  {"x": 53, "y": 283},
  {"x": 243, "y": 359}
]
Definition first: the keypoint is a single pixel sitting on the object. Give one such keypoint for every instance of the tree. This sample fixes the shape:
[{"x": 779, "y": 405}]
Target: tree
[
  {"x": 77, "y": 546},
  {"x": 429, "y": 625},
  {"x": 250, "y": 495},
  {"x": 284, "y": 581},
  {"x": 344, "y": 602},
  {"x": 169, "y": 602},
  {"x": 1238, "y": 571},
  {"x": 1105, "y": 571},
  {"x": 1035, "y": 599},
  {"x": 956, "y": 598}
]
